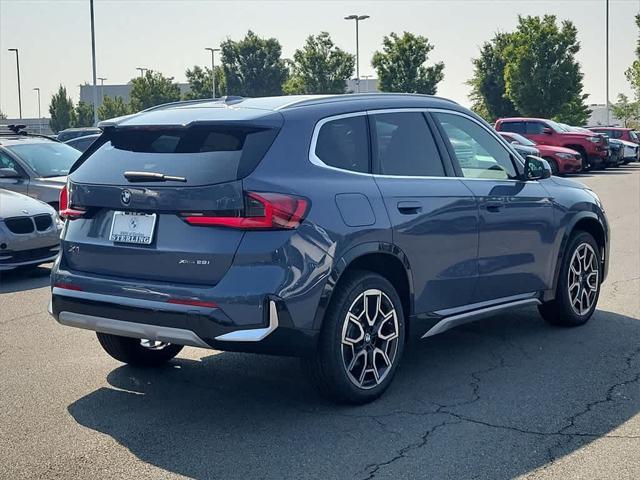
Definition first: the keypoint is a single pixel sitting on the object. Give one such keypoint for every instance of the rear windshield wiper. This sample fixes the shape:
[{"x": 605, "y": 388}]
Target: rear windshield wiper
[{"x": 152, "y": 177}]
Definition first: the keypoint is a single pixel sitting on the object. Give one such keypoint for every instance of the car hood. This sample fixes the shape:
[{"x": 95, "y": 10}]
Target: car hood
[
  {"x": 565, "y": 182},
  {"x": 627, "y": 143},
  {"x": 54, "y": 180},
  {"x": 551, "y": 150},
  {"x": 14, "y": 204}
]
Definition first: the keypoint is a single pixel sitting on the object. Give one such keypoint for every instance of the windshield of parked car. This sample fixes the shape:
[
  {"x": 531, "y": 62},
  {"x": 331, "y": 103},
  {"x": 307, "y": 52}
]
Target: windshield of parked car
[
  {"x": 633, "y": 135},
  {"x": 47, "y": 159},
  {"x": 556, "y": 126},
  {"x": 520, "y": 139}
]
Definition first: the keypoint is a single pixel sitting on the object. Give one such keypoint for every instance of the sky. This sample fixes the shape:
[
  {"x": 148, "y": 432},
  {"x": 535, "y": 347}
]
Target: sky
[{"x": 54, "y": 39}]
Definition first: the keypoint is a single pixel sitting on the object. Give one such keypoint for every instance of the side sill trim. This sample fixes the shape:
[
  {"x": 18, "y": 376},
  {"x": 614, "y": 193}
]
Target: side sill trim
[
  {"x": 254, "y": 334},
  {"x": 179, "y": 336},
  {"x": 462, "y": 318}
]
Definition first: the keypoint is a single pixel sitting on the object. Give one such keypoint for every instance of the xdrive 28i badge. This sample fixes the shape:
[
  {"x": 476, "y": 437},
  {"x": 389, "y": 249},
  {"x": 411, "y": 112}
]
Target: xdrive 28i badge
[{"x": 125, "y": 197}]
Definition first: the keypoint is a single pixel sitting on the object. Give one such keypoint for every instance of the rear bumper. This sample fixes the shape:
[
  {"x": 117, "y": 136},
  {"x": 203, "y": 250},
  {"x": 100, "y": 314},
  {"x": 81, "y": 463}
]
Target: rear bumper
[{"x": 207, "y": 327}]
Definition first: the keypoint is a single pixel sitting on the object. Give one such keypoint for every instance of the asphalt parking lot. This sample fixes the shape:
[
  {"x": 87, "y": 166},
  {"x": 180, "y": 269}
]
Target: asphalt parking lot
[{"x": 506, "y": 397}]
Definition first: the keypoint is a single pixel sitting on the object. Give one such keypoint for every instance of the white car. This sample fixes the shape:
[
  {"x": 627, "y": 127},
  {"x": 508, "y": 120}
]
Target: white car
[{"x": 631, "y": 151}]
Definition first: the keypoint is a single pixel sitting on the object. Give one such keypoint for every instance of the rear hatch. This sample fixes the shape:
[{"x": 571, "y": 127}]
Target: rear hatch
[{"x": 131, "y": 199}]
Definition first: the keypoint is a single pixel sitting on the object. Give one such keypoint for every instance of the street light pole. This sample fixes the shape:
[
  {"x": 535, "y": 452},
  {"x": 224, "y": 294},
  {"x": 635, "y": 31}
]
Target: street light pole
[
  {"x": 142, "y": 70},
  {"x": 357, "y": 18},
  {"x": 39, "y": 115},
  {"x": 18, "y": 70},
  {"x": 607, "y": 62},
  {"x": 93, "y": 59},
  {"x": 213, "y": 70}
]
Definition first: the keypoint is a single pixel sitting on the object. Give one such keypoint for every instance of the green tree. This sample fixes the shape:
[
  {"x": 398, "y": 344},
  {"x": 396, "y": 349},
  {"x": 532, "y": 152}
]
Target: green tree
[
  {"x": 542, "y": 76},
  {"x": 112, "y": 107},
  {"x": 633, "y": 73},
  {"x": 401, "y": 65},
  {"x": 625, "y": 110},
  {"x": 574, "y": 112},
  {"x": 84, "y": 115},
  {"x": 61, "y": 111},
  {"x": 320, "y": 67},
  {"x": 488, "y": 91},
  {"x": 153, "y": 89},
  {"x": 253, "y": 66},
  {"x": 200, "y": 83}
]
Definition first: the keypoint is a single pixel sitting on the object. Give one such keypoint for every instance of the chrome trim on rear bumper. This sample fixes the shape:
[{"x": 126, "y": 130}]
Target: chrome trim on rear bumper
[
  {"x": 255, "y": 334},
  {"x": 178, "y": 336}
]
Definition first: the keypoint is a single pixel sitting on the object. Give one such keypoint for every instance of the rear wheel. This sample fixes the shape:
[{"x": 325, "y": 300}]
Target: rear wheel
[
  {"x": 578, "y": 285},
  {"x": 362, "y": 340},
  {"x": 135, "y": 351}
]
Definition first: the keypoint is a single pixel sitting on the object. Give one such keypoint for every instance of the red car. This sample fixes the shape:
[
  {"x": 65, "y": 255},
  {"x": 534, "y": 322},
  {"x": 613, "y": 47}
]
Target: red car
[
  {"x": 562, "y": 160},
  {"x": 592, "y": 148},
  {"x": 618, "y": 133}
]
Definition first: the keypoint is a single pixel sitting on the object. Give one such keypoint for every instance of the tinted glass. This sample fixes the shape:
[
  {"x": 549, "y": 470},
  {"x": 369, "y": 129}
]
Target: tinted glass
[
  {"x": 520, "y": 139},
  {"x": 202, "y": 155},
  {"x": 516, "y": 127},
  {"x": 8, "y": 162},
  {"x": 47, "y": 159},
  {"x": 633, "y": 135},
  {"x": 343, "y": 143},
  {"x": 479, "y": 153},
  {"x": 535, "y": 128},
  {"x": 404, "y": 145}
]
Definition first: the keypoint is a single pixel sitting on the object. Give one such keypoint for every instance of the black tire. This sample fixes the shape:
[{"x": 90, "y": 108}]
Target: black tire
[
  {"x": 586, "y": 166},
  {"x": 554, "y": 166},
  {"x": 130, "y": 350},
  {"x": 327, "y": 367},
  {"x": 560, "y": 311}
]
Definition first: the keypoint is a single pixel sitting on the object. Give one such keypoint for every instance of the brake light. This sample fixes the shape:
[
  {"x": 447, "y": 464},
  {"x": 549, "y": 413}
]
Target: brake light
[
  {"x": 67, "y": 286},
  {"x": 263, "y": 211},
  {"x": 66, "y": 212}
]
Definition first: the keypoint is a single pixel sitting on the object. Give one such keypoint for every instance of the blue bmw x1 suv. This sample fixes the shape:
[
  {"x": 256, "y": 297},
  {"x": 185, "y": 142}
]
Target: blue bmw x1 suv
[{"x": 333, "y": 228}]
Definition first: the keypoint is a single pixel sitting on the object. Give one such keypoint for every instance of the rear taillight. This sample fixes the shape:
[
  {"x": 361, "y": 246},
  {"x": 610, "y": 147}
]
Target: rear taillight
[
  {"x": 262, "y": 211},
  {"x": 66, "y": 212}
]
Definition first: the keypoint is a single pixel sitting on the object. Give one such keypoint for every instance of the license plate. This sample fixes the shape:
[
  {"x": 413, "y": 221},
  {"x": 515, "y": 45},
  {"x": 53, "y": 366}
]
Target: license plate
[{"x": 132, "y": 227}]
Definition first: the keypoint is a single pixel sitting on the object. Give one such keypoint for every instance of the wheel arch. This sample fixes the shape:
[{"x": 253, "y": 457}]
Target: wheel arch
[
  {"x": 586, "y": 222},
  {"x": 382, "y": 258}
]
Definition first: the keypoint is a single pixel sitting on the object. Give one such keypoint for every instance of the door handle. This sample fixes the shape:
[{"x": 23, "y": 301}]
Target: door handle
[
  {"x": 494, "y": 205},
  {"x": 409, "y": 208}
]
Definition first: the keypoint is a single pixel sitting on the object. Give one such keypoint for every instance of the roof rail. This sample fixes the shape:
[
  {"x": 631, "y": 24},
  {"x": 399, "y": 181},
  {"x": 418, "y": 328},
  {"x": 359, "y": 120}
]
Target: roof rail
[{"x": 227, "y": 100}]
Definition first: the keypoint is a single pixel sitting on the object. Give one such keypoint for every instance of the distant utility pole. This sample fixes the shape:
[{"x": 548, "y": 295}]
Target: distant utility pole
[
  {"x": 366, "y": 82},
  {"x": 357, "y": 18},
  {"x": 39, "y": 114},
  {"x": 141, "y": 70},
  {"x": 102, "y": 79},
  {"x": 607, "y": 61},
  {"x": 213, "y": 69},
  {"x": 18, "y": 70},
  {"x": 93, "y": 58}
]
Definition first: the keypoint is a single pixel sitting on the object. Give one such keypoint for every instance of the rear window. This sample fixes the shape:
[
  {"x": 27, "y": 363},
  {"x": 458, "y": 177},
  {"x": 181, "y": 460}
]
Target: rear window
[{"x": 202, "y": 155}]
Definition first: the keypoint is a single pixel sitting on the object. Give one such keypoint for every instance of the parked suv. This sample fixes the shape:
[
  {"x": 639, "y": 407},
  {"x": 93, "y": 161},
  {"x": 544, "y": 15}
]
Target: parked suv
[
  {"x": 562, "y": 160},
  {"x": 329, "y": 227},
  {"x": 35, "y": 165},
  {"x": 619, "y": 133},
  {"x": 592, "y": 147}
]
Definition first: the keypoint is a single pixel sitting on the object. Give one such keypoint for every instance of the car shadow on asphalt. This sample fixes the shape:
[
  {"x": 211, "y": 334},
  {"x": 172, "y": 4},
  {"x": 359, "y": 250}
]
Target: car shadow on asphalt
[
  {"x": 24, "y": 279},
  {"x": 494, "y": 399}
]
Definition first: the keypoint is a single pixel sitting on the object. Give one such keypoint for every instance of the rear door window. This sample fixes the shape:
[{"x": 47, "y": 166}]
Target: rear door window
[
  {"x": 515, "y": 127},
  {"x": 202, "y": 155},
  {"x": 403, "y": 145},
  {"x": 344, "y": 143},
  {"x": 535, "y": 128}
]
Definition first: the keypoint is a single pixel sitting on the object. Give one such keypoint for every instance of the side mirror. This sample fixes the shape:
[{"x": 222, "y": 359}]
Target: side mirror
[
  {"x": 9, "y": 173},
  {"x": 536, "y": 168},
  {"x": 547, "y": 131}
]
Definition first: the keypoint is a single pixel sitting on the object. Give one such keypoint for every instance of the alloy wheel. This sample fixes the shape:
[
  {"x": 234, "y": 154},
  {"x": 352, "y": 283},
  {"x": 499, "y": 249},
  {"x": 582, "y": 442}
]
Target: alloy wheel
[
  {"x": 153, "y": 344},
  {"x": 583, "y": 279},
  {"x": 370, "y": 336}
]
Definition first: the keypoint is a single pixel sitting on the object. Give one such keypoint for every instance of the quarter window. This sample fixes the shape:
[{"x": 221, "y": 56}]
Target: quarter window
[
  {"x": 403, "y": 145},
  {"x": 343, "y": 143},
  {"x": 479, "y": 154}
]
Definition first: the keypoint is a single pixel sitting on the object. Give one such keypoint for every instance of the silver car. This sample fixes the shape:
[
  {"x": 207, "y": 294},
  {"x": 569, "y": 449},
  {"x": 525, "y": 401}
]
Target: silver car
[
  {"x": 35, "y": 166},
  {"x": 29, "y": 231}
]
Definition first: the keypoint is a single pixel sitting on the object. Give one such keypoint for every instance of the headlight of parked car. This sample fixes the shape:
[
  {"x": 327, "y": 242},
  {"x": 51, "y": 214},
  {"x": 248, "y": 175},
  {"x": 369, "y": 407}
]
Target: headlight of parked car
[{"x": 594, "y": 139}]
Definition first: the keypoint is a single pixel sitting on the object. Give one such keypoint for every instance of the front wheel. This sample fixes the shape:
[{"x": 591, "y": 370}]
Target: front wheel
[
  {"x": 138, "y": 352},
  {"x": 578, "y": 285},
  {"x": 361, "y": 342},
  {"x": 554, "y": 166}
]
